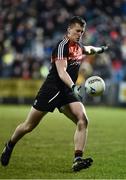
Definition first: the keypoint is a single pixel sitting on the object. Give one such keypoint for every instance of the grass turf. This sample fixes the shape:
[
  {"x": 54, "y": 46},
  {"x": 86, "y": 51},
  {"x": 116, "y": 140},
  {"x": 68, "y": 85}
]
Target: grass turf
[{"x": 47, "y": 152}]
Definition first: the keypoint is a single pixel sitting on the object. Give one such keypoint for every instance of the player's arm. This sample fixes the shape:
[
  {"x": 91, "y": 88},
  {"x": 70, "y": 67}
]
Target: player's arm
[
  {"x": 61, "y": 66},
  {"x": 91, "y": 50},
  {"x": 62, "y": 52}
]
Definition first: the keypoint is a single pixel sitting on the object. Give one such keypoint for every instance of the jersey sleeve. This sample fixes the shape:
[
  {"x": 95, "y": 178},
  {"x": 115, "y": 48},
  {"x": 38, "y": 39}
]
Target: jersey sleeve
[{"x": 61, "y": 51}]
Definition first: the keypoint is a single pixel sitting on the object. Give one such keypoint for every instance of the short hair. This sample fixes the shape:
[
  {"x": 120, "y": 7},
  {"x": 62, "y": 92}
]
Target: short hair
[{"x": 77, "y": 19}]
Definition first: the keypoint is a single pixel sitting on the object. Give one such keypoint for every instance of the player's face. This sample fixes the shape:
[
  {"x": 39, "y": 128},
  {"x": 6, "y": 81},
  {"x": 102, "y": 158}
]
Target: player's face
[{"x": 75, "y": 32}]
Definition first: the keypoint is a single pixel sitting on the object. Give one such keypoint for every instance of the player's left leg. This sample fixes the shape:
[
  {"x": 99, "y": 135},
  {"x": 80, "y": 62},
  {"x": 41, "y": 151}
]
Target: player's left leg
[{"x": 77, "y": 113}]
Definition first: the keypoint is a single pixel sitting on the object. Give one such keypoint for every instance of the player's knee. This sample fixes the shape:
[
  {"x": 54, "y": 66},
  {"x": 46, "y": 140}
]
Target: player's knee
[
  {"x": 82, "y": 122},
  {"x": 80, "y": 125}
]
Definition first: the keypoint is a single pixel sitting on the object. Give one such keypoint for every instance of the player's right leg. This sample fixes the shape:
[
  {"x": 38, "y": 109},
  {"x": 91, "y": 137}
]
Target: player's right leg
[
  {"x": 27, "y": 126},
  {"x": 77, "y": 113}
]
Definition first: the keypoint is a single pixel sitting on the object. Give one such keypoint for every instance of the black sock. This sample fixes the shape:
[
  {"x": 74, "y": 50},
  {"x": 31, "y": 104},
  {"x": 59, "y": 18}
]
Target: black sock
[
  {"x": 78, "y": 154},
  {"x": 11, "y": 144}
]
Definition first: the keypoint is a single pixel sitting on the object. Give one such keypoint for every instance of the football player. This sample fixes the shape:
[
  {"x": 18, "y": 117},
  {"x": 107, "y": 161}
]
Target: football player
[{"x": 59, "y": 90}]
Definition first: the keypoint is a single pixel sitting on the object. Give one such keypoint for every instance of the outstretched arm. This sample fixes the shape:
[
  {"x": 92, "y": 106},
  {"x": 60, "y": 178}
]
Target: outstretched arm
[{"x": 90, "y": 50}]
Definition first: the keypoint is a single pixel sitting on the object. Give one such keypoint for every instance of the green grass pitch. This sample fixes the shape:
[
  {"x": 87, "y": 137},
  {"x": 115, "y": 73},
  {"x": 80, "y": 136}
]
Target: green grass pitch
[{"x": 47, "y": 152}]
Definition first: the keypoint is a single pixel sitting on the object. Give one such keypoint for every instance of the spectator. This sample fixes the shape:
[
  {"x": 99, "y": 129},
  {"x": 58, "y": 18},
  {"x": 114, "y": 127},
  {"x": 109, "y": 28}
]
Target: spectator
[{"x": 29, "y": 26}]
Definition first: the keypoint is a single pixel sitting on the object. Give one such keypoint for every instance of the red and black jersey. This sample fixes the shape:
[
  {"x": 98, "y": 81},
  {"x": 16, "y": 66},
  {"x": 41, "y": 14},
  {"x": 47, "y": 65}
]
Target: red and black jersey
[
  {"x": 54, "y": 92},
  {"x": 65, "y": 50},
  {"x": 68, "y": 50}
]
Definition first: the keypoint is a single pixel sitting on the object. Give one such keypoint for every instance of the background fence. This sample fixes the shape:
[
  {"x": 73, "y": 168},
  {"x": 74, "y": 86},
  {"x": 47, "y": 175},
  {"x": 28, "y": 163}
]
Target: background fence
[{"x": 23, "y": 92}]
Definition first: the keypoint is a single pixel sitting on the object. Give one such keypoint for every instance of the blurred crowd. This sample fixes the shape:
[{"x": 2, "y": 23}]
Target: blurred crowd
[{"x": 29, "y": 29}]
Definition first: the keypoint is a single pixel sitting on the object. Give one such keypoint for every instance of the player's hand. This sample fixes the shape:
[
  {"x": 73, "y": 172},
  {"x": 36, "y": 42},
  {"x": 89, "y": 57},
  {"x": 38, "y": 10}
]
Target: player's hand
[
  {"x": 76, "y": 90},
  {"x": 103, "y": 49}
]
